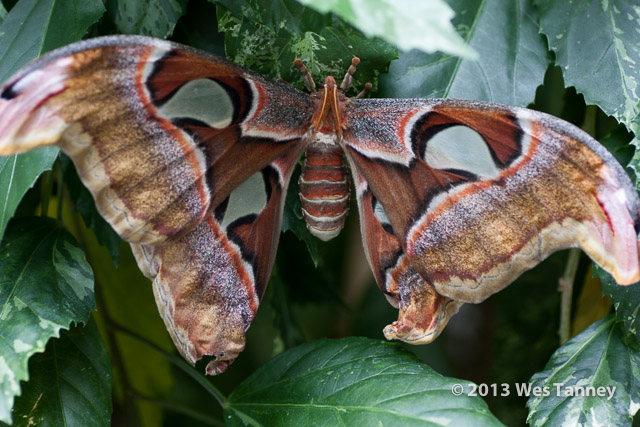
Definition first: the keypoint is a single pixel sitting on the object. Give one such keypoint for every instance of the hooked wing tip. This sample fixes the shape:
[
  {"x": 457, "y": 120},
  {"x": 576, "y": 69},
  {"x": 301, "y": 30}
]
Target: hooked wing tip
[
  {"x": 620, "y": 253},
  {"x": 408, "y": 327},
  {"x": 217, "y": 367}
]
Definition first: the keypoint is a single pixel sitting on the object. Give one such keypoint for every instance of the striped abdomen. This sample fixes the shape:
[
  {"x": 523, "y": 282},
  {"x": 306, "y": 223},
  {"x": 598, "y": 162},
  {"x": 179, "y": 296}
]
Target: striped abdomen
[{"x": 324, "y": 187}]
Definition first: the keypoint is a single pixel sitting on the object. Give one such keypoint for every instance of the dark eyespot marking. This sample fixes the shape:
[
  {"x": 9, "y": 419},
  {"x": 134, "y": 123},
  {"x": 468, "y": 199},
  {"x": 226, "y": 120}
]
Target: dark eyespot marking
[{"x": 9, "y": 93}]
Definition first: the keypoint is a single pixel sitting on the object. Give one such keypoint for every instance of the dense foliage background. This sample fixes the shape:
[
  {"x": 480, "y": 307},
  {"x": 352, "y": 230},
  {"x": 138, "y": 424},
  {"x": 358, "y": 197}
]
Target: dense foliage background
[{"x": 576, "y": 60}]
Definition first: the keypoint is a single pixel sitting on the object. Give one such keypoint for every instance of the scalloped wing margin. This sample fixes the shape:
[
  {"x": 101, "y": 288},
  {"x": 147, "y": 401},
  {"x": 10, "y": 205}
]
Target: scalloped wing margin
[
  {"x": 187, "y": 156},
  {"x": 478, "y": 193}
]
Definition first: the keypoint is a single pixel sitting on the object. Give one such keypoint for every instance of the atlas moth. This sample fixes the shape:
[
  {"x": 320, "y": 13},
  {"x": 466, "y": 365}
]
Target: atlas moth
[{"x": 188, "y": 158}]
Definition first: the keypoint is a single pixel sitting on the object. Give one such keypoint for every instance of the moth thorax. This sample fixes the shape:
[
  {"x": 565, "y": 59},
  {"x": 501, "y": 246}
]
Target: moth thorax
[{"x": 324, "y": 187}]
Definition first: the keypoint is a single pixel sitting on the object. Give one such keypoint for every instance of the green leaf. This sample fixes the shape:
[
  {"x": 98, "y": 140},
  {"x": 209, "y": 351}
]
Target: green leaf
[
  {"x": 424, "y": 25},
  {"x": 30, "y": 29},
  {"x": 598, "y": 357},
  {"x": 34, "y": 27},
  {"x": 287, "y": 14},
  {"x": 352, "y": 381},
  {"x": 197, "y": 28},
  {"x": 127, "y": 299},
  {"x": 625, "y": 299},
  {"x": 156, "y": 18},
  {"x": 70, "y": 383},
  {"x": 3, "y": 12},
  {"x": 325, "y": 44},
  {"x": 292, "y": 218},
  {"x": 511, "y": 64},
  {"x": 618, "y": 144},
  {"x": 17, "y": 175},
  {"x": 596, "y": 44},
  {"x": 634, "y": 163},
  {"x": 45, "y": 284},
  {"x": 283, "y": 316}
]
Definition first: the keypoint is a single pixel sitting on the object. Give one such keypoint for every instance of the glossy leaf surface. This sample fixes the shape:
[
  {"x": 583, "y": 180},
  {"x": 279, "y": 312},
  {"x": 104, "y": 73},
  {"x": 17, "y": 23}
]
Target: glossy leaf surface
[
  {"x": 590, "y": 380},
  {"x": 70, "y": 383},
  {"x": 17, "y": 175},
  {"x": 352, "y": 381},
  {"x": 155, "y": 18},
  {"x": 45, "y": 285},
  {"x": 596, "y": 45},
  {"x": 408, "y": 24},
  {"x": 511, "y": 64}
]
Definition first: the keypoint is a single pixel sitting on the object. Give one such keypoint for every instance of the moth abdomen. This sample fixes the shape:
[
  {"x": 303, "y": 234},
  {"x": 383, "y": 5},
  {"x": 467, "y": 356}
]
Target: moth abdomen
[{"x": 324, "y": 188}]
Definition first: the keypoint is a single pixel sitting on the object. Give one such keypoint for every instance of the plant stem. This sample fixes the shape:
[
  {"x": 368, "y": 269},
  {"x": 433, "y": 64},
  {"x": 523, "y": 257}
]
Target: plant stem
[
  {"x": 57, "y": 171},
  {"x": 179, "y": 409},
  {"x": 176, "y": 361},
  {"x": 565, "y": 284},
  {"x": 46, "y": 196},
  {"x": 131, "y": 410}
]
